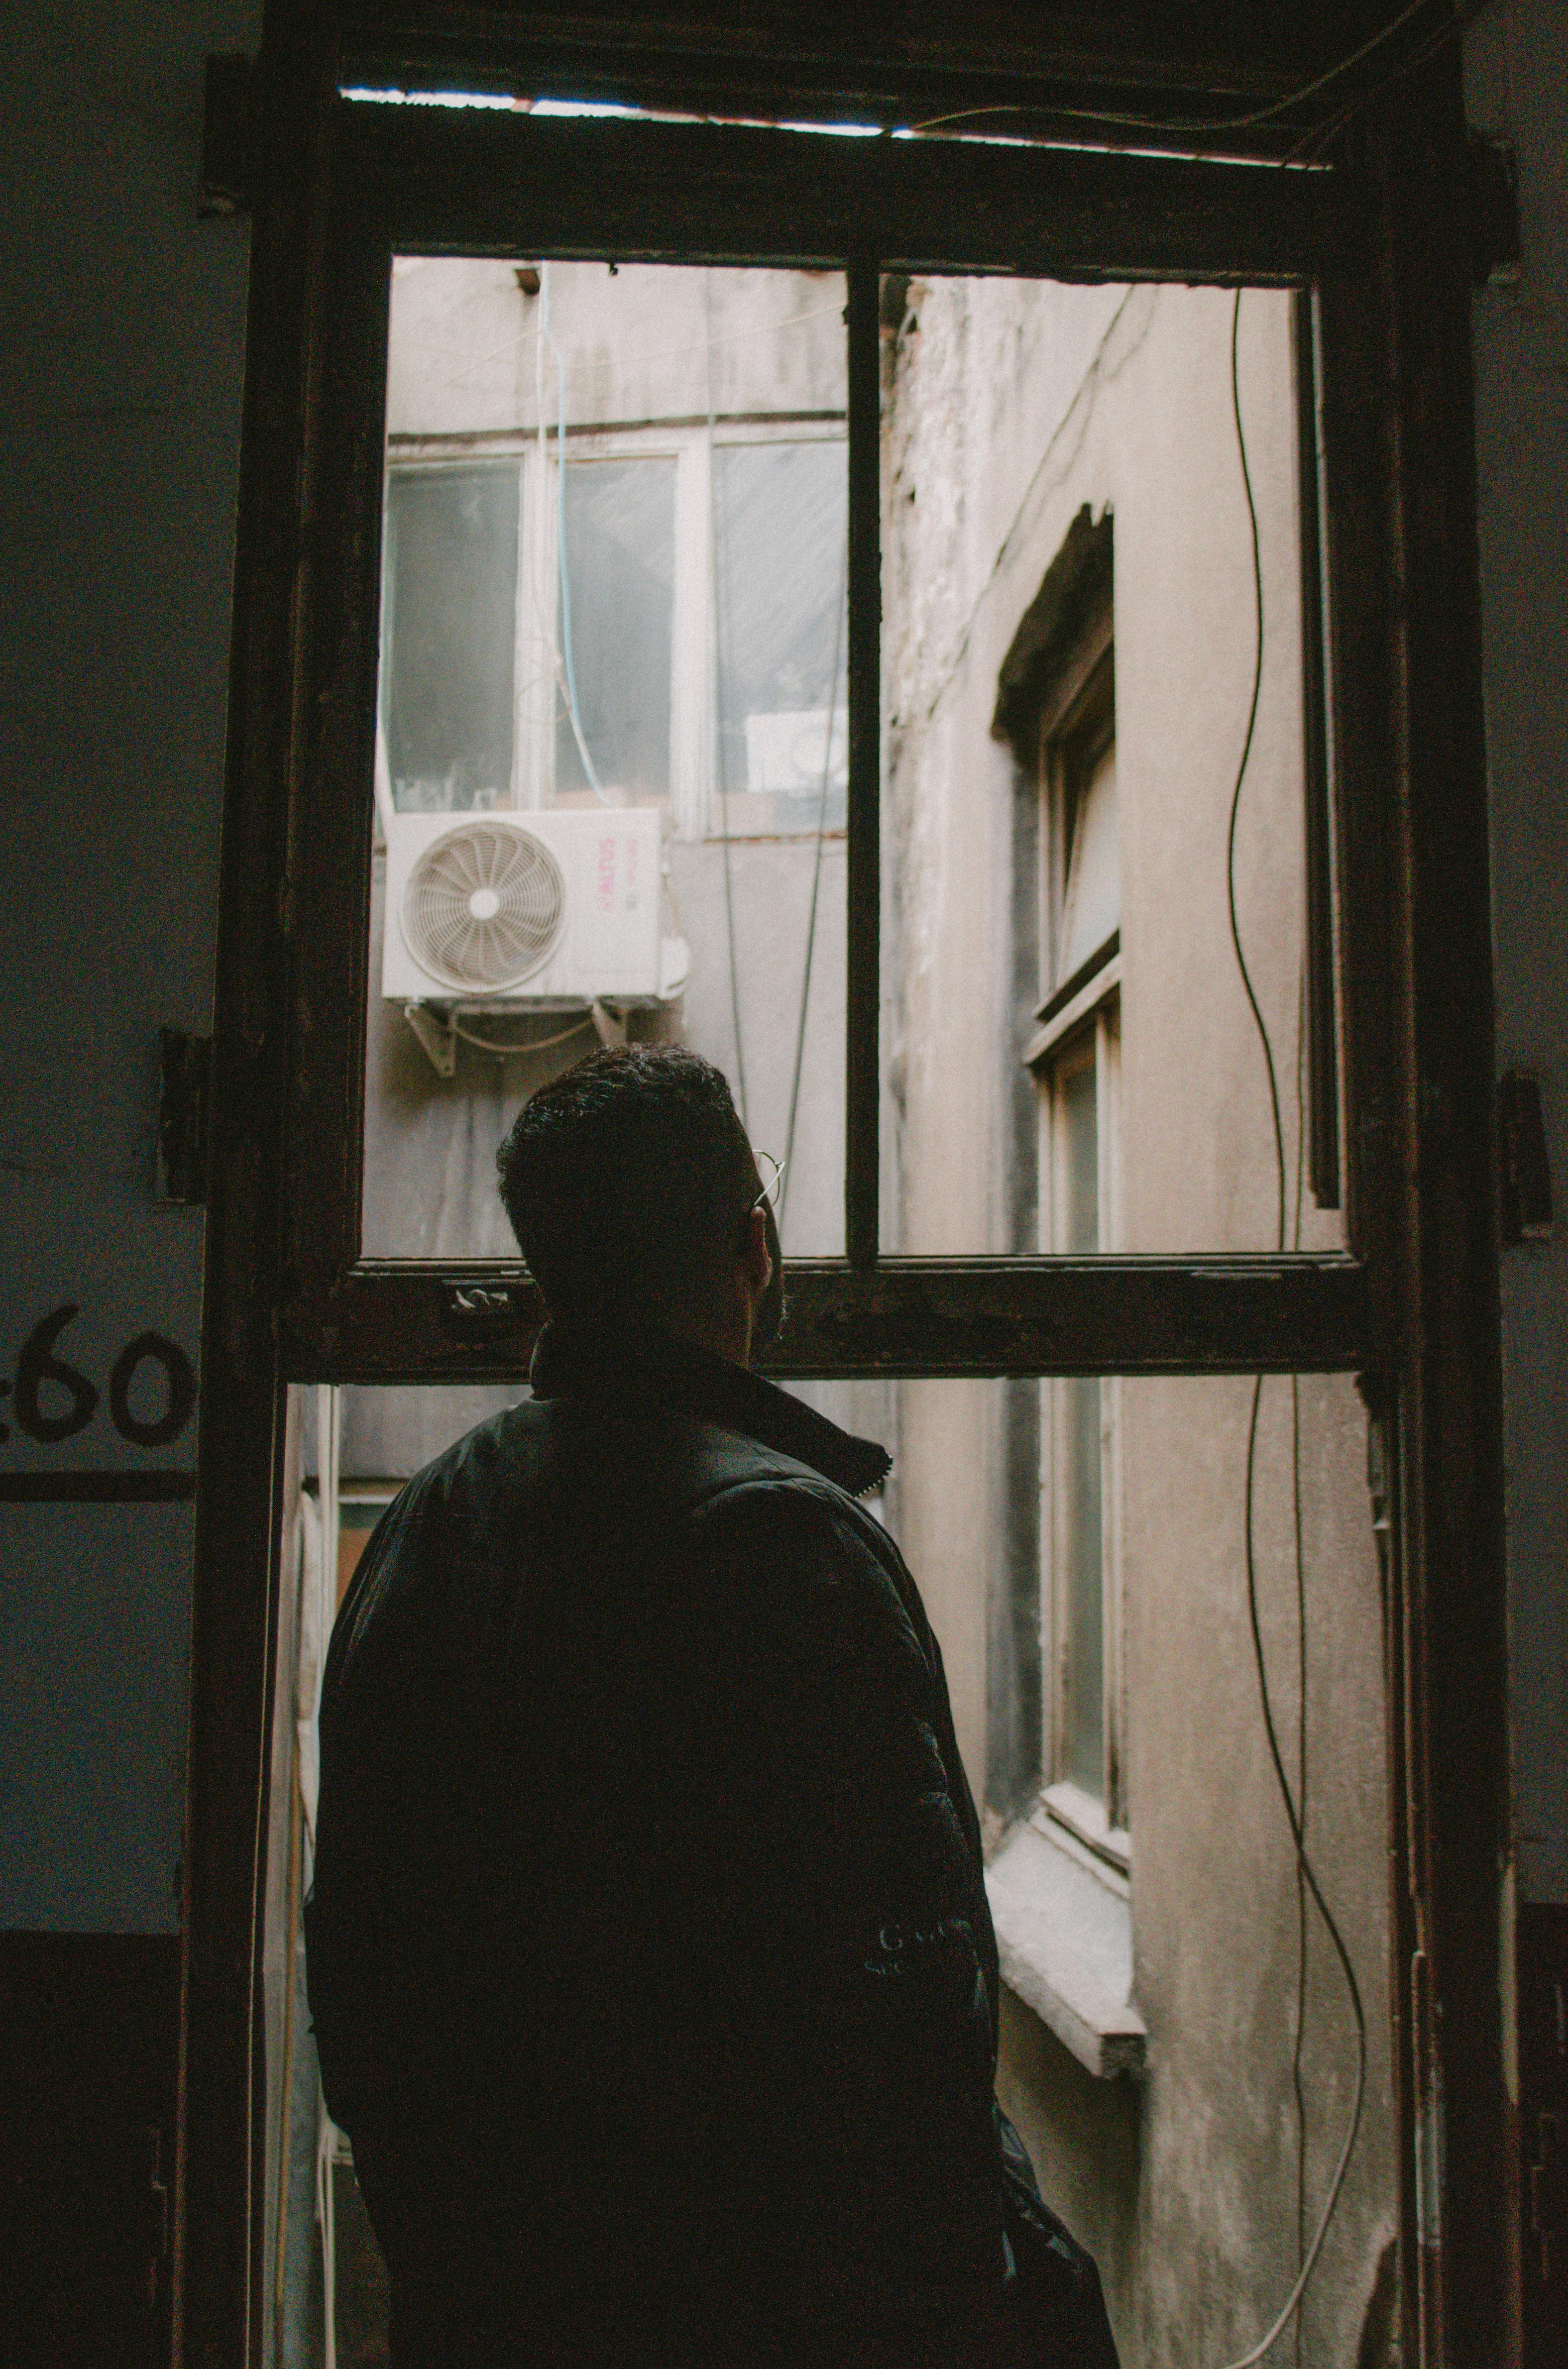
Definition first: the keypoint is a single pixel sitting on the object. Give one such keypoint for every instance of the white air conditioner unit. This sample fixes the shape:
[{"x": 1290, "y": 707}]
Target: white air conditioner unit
[{"x": 530, "y": 910}]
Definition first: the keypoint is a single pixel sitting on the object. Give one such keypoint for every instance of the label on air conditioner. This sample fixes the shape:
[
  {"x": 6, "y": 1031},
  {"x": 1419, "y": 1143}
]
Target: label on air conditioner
[{"x": 615, "y": 937}]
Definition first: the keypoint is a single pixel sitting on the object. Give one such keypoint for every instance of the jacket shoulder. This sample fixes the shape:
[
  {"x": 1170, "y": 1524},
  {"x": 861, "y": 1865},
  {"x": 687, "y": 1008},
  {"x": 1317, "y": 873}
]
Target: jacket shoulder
[
  {"x": 739, "y": 1484},
  {"x": 766, "y": 1513},
  {"x": 438, "y": 1523}
]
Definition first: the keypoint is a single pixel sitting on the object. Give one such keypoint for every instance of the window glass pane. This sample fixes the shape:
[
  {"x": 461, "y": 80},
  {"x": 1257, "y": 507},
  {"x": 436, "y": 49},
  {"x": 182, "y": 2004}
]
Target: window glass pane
[
  {"x": 449, "y": 625},
  {"x": 617, "y": 593},
  {"x": 1199, "y": 1935},
  {"x": 1081, "y": 1595},
  {"x": 1069, "y": 642},
  {"x": 1092, "y": 900},
  {"x": 610, "y": 774},
  {"x": 1078, "y": 1116},
  {"x": 779, "y": 529}
]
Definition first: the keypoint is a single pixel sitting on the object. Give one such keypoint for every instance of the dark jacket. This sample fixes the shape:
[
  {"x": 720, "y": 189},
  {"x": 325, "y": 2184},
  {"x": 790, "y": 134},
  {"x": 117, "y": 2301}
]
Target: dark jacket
[{"x": 649, "y": 1957}]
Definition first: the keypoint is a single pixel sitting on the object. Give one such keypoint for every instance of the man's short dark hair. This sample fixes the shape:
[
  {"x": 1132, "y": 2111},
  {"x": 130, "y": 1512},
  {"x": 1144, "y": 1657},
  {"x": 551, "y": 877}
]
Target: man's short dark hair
[{"x": 627, "y": 1180}]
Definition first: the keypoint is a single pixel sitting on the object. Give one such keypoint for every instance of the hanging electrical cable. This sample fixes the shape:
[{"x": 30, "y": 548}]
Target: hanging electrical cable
[
  {"x": 533, "y": 1045},
  {"x": 715, "y": 617},
  {"x": 1455, "y": 14},
  {"x": 563, "y": 653},
  {"x": 1460, "y": 16},
  {"x": 816, "y": 878},
  {"x": 1297, "y": 2083},
  {"x": 1261, "y": 1025},
  {"x": 1306, "y": 1873}
]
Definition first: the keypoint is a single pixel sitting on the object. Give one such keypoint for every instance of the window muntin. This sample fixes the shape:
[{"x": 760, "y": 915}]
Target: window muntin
[{"x": 1316, "y": 1313}]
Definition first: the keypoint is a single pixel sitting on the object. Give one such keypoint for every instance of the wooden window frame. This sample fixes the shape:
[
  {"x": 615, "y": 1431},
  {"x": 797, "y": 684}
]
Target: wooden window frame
[
  {"x": 486, "y": 184},
  {"x": 1382, "y": 242}
]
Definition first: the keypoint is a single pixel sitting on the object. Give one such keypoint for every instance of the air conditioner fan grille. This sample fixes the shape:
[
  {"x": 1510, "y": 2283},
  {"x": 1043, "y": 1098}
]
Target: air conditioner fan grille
[{"x": 483, "y": 907}]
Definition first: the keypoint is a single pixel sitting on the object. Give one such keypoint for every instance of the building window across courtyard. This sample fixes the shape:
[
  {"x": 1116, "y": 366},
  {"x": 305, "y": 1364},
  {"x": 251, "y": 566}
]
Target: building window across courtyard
[
  {"x": 1073, "y": 1050},
  {"x": 615, "y": 544}
]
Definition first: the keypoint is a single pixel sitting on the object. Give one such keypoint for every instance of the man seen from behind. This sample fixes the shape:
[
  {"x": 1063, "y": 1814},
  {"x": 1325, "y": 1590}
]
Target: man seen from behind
[{"x": 649, "y": 1958}]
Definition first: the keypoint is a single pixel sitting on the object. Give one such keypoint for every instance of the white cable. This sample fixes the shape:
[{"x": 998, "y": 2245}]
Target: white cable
[
  {"x": 717, "y": 789},
  {"x": 327, "y": 2213},
  {"x": 564, "y": 651},
  {"x": 1198, "y": 123},
  {"x": 508, "y": 1052}
]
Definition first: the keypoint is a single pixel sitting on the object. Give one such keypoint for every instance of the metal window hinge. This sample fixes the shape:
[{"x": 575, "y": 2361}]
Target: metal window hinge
[
  {"x": 185, "y": 1065},
  {"x": 154, "y": 2208},
  {"x": 225, "y": 137},
  {"x": 483, "y": 1310},
  {"x": 1493, "y": 212},
  {"x": 1549, "y": 2188},
  {"x": 1524, "y": 1170}
]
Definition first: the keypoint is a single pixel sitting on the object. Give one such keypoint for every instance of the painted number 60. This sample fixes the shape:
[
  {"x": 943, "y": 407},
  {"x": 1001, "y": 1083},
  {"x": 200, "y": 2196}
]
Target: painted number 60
[{"x": 38, "y": 1366}]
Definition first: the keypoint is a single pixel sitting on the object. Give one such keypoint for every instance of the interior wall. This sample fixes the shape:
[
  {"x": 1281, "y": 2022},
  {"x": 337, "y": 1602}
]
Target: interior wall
[
  {"x": 121, "y": 366},
  {"x": 1517, "y": 91}
]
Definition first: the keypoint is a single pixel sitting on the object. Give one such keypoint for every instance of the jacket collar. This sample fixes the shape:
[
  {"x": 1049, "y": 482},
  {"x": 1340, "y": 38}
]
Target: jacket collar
[{"x": 574, "y": 1362}]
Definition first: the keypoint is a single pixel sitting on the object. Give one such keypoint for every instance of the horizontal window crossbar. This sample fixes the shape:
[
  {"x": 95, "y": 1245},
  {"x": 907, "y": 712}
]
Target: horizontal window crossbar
[
  {"x": 972, "y": 1317},
  {"x": 1072, "y": 989},
  {"x": 481, "y": 182}
]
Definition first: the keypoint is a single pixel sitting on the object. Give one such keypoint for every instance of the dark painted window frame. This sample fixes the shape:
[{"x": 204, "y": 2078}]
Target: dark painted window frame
[
  {"x": 1414, "y": 1309},
  {"x": 478, "y": 182}
]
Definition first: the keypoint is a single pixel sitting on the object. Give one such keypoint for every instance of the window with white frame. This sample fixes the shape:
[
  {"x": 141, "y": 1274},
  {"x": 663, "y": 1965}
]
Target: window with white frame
[{"x": 656, "y": 619}]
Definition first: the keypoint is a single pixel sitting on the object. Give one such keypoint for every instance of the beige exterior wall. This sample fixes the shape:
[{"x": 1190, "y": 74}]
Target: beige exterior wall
[
  {"x": 464, "y": 337},
  {"x": 1009, "y": 407}
]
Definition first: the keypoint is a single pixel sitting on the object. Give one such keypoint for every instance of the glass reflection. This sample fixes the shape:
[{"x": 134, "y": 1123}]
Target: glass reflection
[
  {"x": 609, "y": 768},
  {"x": 1071, "y": 635}
]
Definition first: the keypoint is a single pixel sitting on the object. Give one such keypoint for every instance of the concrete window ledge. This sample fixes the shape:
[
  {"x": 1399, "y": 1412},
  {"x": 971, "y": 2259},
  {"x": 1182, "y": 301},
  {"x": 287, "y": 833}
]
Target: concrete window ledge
[{"x": 1064, "y": 1934}]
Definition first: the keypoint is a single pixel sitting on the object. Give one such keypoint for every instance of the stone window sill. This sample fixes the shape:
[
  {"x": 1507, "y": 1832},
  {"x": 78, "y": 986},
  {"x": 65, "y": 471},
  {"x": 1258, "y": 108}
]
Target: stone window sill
[{"x": 1064, "y": 1934}]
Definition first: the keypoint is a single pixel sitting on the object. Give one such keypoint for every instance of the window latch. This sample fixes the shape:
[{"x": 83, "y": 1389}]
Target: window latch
[
  {"x": 185, "y": 1066},
  {"x": 225, "y": 186},
  {"x": 154, "y": 2202},
  {"x": 1524, "y": 1169},
  {"x": 1493, "y": 212},
  {"x": 1549, "y": 2188},
  {"x": 471, "y": 1307}
]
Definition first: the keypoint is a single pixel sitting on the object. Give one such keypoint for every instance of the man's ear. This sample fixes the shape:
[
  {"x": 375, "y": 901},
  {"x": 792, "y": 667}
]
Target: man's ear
[
  {"x": 768, "y": 1317},
  {"x": 756, "y": 1259}
]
